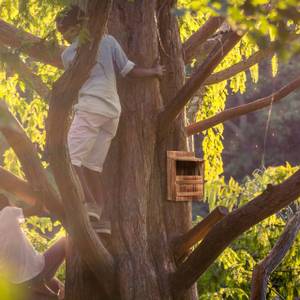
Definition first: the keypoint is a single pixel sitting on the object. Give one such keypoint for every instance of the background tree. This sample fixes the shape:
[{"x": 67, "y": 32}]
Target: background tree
[{"x": 140, "y": 261}]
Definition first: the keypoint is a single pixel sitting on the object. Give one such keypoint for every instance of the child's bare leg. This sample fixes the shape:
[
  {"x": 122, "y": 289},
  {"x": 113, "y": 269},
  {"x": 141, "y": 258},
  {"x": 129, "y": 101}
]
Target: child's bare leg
[
  {"x": 45, "y": 283},
  {"x": 92, "y": 208},
  {"x": 89, "y": 197},
  {"x": 54, "y": 257},
  {"x": 96, "y": 186}
]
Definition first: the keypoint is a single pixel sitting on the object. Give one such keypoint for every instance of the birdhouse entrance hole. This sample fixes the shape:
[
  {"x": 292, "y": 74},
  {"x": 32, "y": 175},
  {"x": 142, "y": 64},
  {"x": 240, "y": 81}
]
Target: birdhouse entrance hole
[
  {"x": 185, "y": 176},
  {"x": 187, "y": 168}
]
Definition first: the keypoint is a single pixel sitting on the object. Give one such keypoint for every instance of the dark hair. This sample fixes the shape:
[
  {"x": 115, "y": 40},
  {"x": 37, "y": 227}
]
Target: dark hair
[
  {"x": 3, "y": 201},
  {"x": 69, "y": 17}
]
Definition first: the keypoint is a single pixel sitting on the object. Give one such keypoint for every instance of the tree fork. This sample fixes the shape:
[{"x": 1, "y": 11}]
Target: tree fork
[
  {"x": 235, "y": 112},
  {"x": 184, "y": 243},
  {"x": 32, "y": 167},
  {"x": 263, "y": 269},
  {"x": 176, "y": 105},
  {"x": 193, "y": 44},
  {"x": 176, "y": 216},
  {"x": 244, "y": 65},
  {"x": 234, "y": 224}
]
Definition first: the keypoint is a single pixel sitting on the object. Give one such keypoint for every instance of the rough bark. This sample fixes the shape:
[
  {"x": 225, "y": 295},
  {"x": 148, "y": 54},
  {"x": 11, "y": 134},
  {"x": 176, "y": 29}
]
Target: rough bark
[
  {"x": 81, "y": 283},
  {"x": 63, "y": 95},
  {"x": 235, "y": 112},
  {"x": 31, "y": 164},
  {"x": 264, "y": 268},
  {"x": 228, "y": 229},
  {"x": 140, "y": 237},
  {"x": 18, "y": 187}
]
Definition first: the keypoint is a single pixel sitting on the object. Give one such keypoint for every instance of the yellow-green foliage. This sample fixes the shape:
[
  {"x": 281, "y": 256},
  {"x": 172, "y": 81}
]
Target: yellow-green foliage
[
  {"x": 36, "y": 17},
  {"x": 192, "y": 15},
  {"x": 230, "y": 276}
]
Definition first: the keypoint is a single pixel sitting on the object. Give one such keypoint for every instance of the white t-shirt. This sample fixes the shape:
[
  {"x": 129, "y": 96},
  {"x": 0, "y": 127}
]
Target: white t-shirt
[
  {"x": 99, "y": 93},
  {"x": 19, "y": 261}
]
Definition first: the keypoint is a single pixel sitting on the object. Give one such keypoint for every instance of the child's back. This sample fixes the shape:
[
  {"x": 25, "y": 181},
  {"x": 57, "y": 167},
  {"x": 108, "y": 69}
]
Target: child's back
[
  {"x": 99, "y": 93},
  {"x": 18, "y": 259}
]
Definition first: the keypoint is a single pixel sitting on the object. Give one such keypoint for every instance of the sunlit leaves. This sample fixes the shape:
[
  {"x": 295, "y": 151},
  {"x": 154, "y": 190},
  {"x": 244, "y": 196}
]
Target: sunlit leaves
[
  {"x": 274, "y": 65},
  {"x": 189, "y": 21},
  {"x": 255, "y": 16},
  {"x": 230, "y": 276},
  {"x": 263, "y": 23},
  {"x": 36, "y": 17}
]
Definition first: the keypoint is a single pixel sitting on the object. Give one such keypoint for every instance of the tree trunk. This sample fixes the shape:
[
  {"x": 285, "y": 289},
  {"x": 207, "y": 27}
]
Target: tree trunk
[{"x": 143, "y": 222}]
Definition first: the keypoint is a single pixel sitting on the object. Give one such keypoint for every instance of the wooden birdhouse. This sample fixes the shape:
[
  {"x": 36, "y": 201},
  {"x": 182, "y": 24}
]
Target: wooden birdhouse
[{"x": 185, "y": 176}]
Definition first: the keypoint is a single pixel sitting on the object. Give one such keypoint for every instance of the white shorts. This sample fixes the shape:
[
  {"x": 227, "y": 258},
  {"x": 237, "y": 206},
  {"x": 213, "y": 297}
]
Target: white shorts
[{"x": 89, "y": 139}]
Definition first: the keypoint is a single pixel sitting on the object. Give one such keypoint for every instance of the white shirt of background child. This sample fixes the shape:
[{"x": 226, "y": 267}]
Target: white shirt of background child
[{"x": 19, "y": 261}]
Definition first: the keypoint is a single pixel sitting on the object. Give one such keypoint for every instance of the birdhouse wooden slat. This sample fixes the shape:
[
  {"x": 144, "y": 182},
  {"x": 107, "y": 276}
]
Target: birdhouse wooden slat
[{"x": 185, "y": 174}]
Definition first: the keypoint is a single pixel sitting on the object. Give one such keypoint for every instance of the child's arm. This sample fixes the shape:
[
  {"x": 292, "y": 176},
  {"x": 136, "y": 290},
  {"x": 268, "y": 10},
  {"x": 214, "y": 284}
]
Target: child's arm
[
  {"x": 128, "y": 68},
  {"x": 137, "y": 72}
]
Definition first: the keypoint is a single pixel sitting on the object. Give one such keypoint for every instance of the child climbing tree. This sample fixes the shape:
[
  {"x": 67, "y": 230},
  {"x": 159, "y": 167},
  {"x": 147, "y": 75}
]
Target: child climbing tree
[{"x": 141, "y": 259}]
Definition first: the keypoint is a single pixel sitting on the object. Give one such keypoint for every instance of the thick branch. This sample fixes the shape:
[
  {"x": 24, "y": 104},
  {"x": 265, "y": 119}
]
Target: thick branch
[
  {"x": 35, "y": 47},
  {"x": 16, "y": 64},
  {"x": 63, "y": 96},
  {"x": 234, "y": 112},
  {"x": 192, "y": 46},
  {"x": 264, "y": 268},
  {"x": 257, "y": 57},
  {"x": 245, "y": 64},
  {"x": 232, "y": 226},
  {"x": 183, "y": 244},
  {"x": 176, "y": 105},
  {"x": 17, "y": 186},
  {"x": 32, "y": 167}
]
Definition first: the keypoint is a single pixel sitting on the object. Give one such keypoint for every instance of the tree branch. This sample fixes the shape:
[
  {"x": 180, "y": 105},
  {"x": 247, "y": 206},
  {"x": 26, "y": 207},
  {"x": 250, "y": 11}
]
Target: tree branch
[
  {"x": 183, "y": 244},
  {"x": 234, "y": 112},
  {"x": 176, "y": 105},
  {"x": 241, "y": 66},
  {"x": 232, "y": 226},
  {"x": 264, "y": 268},
  {"x": 245, "y": 64},
  {"x": 16, "y": 64},
  {"x": 192, "y": 46},
  {"x": 32, "y": 167},
  {"x": 33, "y": 46},
  {"x": 64, "y": 94},
  {"x": 17, "y": 186}
]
